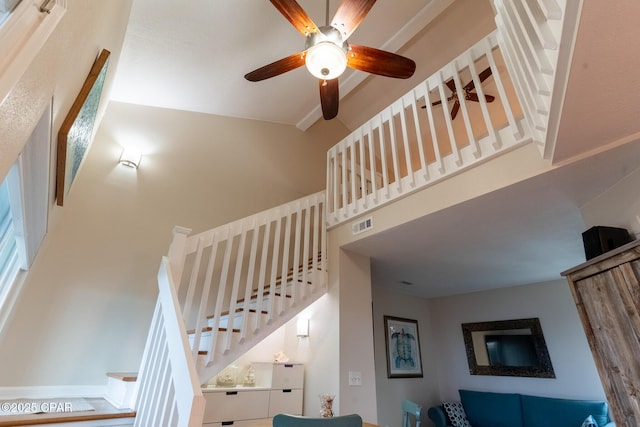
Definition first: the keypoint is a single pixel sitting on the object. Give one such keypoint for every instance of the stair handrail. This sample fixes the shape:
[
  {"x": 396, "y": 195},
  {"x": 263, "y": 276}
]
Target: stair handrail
[
  {"x": 168, "y": 392},
  {"x": 191, "y": 242},
  {"x": 242, "y": 278},
  {"x": 415, "y": 142}
]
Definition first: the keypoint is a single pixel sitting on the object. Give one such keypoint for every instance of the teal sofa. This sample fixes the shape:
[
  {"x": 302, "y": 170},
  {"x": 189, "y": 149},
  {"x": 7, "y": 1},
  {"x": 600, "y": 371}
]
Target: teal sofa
[{"x": 487, "y": 409}]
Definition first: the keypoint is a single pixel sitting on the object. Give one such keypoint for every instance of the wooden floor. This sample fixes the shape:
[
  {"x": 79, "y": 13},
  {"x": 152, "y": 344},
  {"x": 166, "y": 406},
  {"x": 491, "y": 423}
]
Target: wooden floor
[{"x": 103, "y": 410}]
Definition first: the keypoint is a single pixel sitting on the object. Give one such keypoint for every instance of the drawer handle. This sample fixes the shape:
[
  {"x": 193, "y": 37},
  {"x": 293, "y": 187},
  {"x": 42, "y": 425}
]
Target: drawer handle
[
  {"x": 288, "y": 365},
  {"x": 286, "y": 390},
  {"x": 227, "y": 423},
  {"x": 231, "y": 393}
]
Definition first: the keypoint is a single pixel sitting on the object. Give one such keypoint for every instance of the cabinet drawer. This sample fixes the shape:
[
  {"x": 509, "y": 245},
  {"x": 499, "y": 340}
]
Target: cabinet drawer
[
  {"x": 287, "y": 401},
  {"x": 236, "y": 405},
  {"x": 287, "y": 376}
]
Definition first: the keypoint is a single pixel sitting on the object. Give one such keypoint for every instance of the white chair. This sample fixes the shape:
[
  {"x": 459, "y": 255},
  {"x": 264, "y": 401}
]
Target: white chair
[{"x": 410, "y": 408}]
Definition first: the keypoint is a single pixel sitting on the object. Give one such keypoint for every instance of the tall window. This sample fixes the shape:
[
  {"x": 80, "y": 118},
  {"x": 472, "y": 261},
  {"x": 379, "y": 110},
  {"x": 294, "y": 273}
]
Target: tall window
[
  {"x": 6, "y": 6},
  {"x": 23, "y": 213},
  {"x": 9, "y": 265},
  {"x": 24, "y": 32}
]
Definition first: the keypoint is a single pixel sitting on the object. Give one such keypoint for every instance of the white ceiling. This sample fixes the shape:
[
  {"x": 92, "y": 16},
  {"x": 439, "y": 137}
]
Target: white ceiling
[{"x": 193, "y": 56}]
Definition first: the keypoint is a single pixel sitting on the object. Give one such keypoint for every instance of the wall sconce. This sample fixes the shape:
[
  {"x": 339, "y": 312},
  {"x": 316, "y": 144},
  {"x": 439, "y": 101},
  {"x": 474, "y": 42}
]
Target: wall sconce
[
  {"x": 302, "y": 328},
  {"x": 130, "y": 158}
]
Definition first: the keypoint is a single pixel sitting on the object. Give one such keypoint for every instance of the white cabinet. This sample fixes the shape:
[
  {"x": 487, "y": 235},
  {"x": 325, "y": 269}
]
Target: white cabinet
[
  {"x": 286, "y": 401},
  {"x": 231, "y": 405},
  {"x": 279, "y": 389}
]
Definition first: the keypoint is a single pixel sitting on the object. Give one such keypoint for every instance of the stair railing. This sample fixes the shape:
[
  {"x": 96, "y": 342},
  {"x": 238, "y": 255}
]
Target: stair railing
[
  {"x": 415, "y": 142},
  {"x": 537, "y": 38},
  {"x": 169, "y": 392},
  {"x": 242, "y": 276},
  {"x": 434, "y": 131}
]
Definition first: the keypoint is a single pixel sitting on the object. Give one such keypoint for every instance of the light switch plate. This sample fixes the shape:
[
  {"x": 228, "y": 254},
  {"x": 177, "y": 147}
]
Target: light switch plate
[{"x": 355, "y": 378}]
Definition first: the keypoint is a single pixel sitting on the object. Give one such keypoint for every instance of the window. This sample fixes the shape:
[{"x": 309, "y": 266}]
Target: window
[
  {"x": 22, "y": 34},
  {"x": 8, "y": 246},
  {"x": 6, "y": 6},
  {"x": 23, "y": 213}
]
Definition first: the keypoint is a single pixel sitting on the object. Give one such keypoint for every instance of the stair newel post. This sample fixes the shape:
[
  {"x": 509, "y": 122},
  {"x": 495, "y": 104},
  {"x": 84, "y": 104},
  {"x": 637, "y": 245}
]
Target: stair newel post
[{"x": 178, "y": 252}]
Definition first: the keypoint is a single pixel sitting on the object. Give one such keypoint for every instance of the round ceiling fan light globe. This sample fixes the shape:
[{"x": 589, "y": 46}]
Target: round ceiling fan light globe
[{"x": 326, "y": 60}]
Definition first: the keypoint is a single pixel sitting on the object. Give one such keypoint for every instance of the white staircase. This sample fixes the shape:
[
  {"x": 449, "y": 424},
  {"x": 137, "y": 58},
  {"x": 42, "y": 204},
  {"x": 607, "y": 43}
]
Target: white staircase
[{"x": 222, "y": 292}]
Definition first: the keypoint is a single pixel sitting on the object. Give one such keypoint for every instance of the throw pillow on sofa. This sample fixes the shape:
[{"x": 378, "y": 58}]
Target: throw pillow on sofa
[
  {"x": 455, "y": 413},
  {"x": 589, "y": 422},
  {"x": 540, "y": 411},
  {"x": 486, "y": 409}
]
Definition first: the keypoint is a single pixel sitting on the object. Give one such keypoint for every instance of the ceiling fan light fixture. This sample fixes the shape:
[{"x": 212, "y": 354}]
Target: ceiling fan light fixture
[{"x": 326, "y": 60}]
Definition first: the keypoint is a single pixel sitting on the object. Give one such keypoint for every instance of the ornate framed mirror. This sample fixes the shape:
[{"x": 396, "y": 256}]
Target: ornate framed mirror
[{"x": 507, "y": 348}]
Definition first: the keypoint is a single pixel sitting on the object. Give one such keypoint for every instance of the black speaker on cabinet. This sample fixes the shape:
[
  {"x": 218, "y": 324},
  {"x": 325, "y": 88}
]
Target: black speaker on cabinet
[{"x": 598, "y": 240}]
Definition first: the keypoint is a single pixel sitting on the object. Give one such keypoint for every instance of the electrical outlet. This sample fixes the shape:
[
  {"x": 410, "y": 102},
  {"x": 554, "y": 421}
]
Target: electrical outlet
[{"x": 355, "y": 378}]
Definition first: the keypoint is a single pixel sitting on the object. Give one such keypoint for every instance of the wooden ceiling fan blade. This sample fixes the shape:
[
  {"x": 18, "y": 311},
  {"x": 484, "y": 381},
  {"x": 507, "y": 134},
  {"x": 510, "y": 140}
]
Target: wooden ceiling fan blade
[
  {"x": 329, "y": 98},
  {"x": 295, "y": 14},
  {"x": 484, "y": 75},
  {"x": 350, "y": 14},
  {"x": 380, "y": 62},
  {"x": 455, "y": 109},
  {"x": 472, "y": 97},
  {"x": 451, "y": 85},
  {"x": 276, "y": 68}
]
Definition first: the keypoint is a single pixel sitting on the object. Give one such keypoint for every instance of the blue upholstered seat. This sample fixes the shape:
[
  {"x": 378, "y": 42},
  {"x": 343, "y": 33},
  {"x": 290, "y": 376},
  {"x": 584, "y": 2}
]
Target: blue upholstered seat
[{"x": 284, "y": 420}]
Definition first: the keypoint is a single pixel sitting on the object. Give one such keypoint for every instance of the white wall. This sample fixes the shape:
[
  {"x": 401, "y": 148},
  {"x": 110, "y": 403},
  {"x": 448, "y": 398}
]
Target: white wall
[
  {"x": 552, "y": 303},
  {"x": 59, "y": 71},
  {"x": 391, "y": 391},
  {"x": 89, "y": 297},
  {"x": 308, "y": 350},
  {"x": 624, "y": 195},
  {"x": 355, "y": 338}
]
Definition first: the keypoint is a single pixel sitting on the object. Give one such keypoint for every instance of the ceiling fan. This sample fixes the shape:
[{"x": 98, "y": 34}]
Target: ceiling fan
[
  {"x": 327, "y": 53},
  {"x": 468, "y": 95}
]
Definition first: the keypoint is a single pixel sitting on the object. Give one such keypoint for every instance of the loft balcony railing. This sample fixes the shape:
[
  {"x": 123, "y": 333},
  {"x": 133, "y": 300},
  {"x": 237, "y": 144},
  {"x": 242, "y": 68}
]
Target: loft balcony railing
[{"x": 492, "y": 98}]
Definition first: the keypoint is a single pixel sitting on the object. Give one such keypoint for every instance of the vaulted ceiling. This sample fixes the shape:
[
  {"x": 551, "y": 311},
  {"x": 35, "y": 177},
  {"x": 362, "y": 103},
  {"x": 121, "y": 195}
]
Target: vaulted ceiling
[{"x": 193, "y": 56}]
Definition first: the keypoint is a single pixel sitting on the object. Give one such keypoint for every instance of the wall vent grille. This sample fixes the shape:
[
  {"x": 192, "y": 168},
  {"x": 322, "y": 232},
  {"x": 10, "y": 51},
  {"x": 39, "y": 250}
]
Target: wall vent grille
[{"x": 362, "y": 226}]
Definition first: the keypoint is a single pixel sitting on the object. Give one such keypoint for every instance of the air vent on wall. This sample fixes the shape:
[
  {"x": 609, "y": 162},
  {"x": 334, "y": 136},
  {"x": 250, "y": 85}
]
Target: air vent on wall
[{"x": 361, "y": 226}]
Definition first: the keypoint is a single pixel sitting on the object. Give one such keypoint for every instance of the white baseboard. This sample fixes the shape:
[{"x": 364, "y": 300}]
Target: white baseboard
[{"x": 39, "y": 392}]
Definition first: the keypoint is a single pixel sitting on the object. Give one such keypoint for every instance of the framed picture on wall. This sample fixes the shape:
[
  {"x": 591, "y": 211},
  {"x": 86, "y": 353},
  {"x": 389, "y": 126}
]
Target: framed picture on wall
[
  {"x": 402, "y": 347},
  {"x": 76, "y": 132}
]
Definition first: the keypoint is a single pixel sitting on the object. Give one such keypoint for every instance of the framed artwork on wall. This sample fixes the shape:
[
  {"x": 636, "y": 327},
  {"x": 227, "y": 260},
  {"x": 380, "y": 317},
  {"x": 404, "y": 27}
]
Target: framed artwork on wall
[
  {"x": 77, "y": 130},
  {"x": 402, "y": 347}
]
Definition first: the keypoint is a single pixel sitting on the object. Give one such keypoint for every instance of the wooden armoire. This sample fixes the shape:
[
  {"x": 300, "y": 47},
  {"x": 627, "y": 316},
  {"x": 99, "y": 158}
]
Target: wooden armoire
[{"x": 606, "y": 290}]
